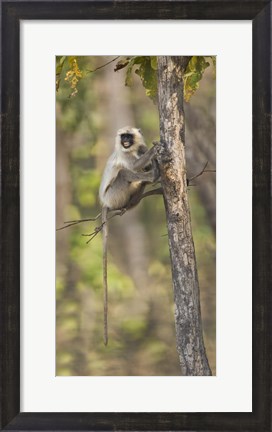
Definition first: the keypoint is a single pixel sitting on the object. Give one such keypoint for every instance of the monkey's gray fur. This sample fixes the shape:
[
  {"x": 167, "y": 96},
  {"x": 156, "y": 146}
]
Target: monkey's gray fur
[
  {"x": 130, "y": 167},
  {"x": 124, "y": 173}
]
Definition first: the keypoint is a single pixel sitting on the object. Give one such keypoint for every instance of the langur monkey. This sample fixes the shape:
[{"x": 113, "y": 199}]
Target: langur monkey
[{"x": 130, "y": 167}]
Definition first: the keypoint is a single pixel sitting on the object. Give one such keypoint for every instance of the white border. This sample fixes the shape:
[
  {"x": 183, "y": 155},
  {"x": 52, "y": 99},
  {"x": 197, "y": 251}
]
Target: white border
[{"x": 231, "y": 389}]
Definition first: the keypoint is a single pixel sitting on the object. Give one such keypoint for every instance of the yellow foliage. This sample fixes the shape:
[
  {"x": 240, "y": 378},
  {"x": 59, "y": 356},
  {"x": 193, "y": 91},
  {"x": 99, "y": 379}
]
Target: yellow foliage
[{"x": 73, "y": 75}]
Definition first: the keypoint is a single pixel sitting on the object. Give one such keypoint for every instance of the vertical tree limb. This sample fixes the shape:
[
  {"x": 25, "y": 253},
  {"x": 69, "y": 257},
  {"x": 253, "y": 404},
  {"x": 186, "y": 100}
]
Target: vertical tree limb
[{"x": 171, "y": 159}]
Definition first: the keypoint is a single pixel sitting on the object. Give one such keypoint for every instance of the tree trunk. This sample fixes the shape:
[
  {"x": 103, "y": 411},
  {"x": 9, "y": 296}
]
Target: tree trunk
[{"x": 171, "y": 159}]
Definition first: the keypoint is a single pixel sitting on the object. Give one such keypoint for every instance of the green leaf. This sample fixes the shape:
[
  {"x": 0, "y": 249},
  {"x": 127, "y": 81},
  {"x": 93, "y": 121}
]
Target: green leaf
[
  {"x": 146, "y": 70},
  {"x": 59, "y": 67},
  {"x": 193, "y": 75},
  {"x": 128, "y": 80},
  {"x": 214, "y": 64},
  {"x": 121, "y": 64},
  {"x": 154, "y": 62}
]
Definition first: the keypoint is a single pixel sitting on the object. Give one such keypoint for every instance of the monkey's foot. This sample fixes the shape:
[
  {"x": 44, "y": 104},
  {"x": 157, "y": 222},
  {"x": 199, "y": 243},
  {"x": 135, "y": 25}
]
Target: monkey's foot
[{"x": 122, "y": 211}]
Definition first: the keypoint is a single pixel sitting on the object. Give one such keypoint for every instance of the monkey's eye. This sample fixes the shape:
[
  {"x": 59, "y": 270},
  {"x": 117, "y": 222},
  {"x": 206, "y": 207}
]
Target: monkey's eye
[{"x": 127, "y": 140}]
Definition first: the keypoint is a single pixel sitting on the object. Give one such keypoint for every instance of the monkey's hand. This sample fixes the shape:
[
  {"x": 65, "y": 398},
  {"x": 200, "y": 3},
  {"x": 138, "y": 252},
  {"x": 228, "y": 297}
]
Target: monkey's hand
[
  {"x": 155, "y": 166},
  {"x": 155, "y": 171},
  {"x": 156, "y": 146},
  {"x": 145, "y": 160}
]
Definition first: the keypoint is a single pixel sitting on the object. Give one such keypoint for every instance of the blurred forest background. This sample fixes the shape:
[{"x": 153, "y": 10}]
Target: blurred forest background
[{"x": 141, "y": 312}]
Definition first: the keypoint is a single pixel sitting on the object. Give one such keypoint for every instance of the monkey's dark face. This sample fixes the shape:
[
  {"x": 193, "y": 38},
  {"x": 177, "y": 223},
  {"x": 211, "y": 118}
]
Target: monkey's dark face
[{"x": 127, "y": 140}]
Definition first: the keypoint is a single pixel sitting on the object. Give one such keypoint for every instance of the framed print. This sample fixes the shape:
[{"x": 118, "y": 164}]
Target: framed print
[
  {"x": 56, "y": 372},
  {"x": 129, "y": 341}
]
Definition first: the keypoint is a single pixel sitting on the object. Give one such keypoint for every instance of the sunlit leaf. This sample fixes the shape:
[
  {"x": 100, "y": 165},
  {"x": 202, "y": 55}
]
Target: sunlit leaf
[
  {"x": 154, "y": 62},
  {"x": 73, "y": 75},
  {"x": 214, "y": 65},
  {"x": 59, "y": 67},
  {"x": 145, "y": 68},
  {"x": 193, "y": 75},
  {"x": 121, "y": 64}
]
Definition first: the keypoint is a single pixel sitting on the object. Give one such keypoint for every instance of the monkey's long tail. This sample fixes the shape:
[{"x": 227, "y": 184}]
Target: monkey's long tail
[{"x": 105, "y": 272}]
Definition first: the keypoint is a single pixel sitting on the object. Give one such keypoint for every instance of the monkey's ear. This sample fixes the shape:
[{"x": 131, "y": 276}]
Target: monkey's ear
[{"x": 139, "y": 130}]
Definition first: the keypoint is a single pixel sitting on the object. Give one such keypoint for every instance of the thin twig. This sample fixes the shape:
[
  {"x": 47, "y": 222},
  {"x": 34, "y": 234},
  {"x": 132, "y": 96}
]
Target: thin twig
[
  {"x": 83, "y": 220},
  {"x": 78, "y": 221},
  {"x": 200, "y": 173},
  {"x": 93, "y": 234},
  {"x": 100, "y": 67},
  {"x": 67, "y": 226},
  {"x": 118, "y": 212}
]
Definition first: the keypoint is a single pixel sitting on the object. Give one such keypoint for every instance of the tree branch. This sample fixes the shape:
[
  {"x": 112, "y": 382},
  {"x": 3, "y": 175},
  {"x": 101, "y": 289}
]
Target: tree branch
[
  {"x": 93, "y": 234},
  {"x": 118, "y": 212},
  {"x": 199, "y": 174},
  {"x": 157, "y": 191},
  {"x": 100, "y": 67},
  {"x": 78, "y": 221}
]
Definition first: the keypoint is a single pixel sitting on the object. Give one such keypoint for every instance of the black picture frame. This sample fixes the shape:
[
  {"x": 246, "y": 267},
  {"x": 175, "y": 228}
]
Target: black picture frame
[{"x": 12, "y": 12}]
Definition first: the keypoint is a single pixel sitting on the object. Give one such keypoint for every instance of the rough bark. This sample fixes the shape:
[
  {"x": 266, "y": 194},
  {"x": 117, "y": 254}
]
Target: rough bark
[{"x": 171, "y": 159}]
